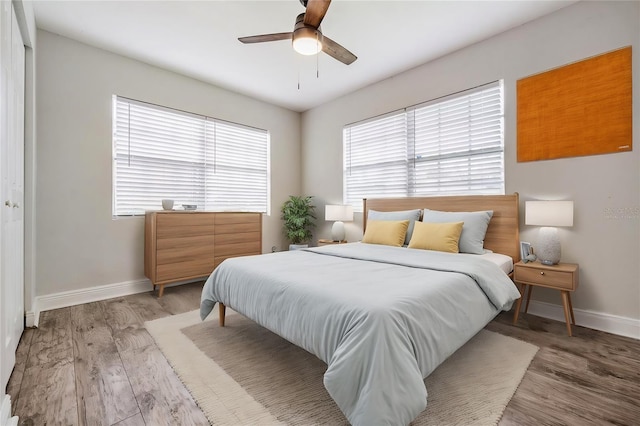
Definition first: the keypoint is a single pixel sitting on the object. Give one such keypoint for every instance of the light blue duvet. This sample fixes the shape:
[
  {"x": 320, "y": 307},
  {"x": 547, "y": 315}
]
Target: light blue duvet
[{"x": 382, "y": 318}]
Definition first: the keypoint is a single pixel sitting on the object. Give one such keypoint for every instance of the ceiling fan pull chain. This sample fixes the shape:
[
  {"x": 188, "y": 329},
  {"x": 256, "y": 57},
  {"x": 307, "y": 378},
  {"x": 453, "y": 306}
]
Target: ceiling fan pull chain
[
  {"x": 298, "y": 62},
  {"x": 317, "y": 55}
]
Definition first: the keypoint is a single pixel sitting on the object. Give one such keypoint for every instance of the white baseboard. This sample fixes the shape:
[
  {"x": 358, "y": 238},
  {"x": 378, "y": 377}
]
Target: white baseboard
[
  {"x": 31, "y": 319},
  {"x": 5, "y": 412},
  {"x": 614, "y": 324},
  {"x": 86, "y": 295}
]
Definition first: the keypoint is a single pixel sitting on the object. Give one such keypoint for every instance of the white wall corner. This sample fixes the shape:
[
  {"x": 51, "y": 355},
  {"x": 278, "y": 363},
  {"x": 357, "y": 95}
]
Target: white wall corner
[
  {"x": 86, "y": 295},
  {"x": 614, "y": 324}
]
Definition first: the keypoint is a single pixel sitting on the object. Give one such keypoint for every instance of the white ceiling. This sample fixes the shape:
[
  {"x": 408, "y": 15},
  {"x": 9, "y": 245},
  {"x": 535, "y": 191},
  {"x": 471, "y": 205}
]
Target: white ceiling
[{"x": 199, "y": 39}]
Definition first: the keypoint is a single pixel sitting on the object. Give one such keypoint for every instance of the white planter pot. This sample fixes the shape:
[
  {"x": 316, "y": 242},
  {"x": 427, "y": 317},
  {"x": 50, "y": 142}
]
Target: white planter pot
[{"x": 297, "y": 246}]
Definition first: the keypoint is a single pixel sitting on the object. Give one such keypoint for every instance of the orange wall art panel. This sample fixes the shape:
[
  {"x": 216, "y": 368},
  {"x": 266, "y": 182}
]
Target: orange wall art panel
[{"x": 584, "y": 108}]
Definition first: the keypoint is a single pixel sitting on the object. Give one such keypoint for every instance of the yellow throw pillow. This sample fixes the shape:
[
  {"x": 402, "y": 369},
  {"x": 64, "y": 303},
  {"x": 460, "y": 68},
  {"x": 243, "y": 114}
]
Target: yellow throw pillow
[
  {"x": 436, "y": 236},
  {"x": 387, "y": 232}
]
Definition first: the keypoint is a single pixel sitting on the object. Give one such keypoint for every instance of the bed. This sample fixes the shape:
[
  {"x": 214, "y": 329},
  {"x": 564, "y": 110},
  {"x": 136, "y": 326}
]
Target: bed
[{"x": 382, "y": 318}]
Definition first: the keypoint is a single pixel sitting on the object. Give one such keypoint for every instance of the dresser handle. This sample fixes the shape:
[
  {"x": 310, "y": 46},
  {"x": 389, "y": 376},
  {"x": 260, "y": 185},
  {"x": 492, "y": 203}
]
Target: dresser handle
[{"x": 541, "y": 272}]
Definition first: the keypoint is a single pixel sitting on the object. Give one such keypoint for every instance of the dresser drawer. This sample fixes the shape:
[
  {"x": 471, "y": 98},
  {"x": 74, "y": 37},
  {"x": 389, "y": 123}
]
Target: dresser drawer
[
  {"x": 239, "y": 249},
  {"x": 233, "y": 223},
  {"x": 184, "y": 270},
  {"x": 179, "y": 225},
  {"x": 234, "y": 218},
  {"x": 545, "y": 277}
]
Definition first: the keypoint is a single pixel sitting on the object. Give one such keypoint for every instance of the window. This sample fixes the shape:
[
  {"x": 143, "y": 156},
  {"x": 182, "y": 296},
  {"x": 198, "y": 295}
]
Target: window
[
  {"x": 162, "y": 153},
  {"x": 449, "y": 146}
]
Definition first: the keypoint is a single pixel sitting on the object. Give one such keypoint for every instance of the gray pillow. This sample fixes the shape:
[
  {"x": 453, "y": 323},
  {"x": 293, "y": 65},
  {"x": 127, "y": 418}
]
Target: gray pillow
[
  {"x": 473, "y": 231},
  {"x": 410, "y": 215}
]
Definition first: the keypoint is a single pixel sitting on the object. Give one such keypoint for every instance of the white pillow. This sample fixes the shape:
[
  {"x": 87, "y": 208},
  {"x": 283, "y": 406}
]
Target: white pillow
[
  {"x": 473, "y": 231},
  {"x": 410, "y": 215}
]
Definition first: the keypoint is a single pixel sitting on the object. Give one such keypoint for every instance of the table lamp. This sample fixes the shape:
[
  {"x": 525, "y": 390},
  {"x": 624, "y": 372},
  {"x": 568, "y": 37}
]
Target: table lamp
[
  {"x": 548, "y": 214},
  {"x": 339, "y": 214}
]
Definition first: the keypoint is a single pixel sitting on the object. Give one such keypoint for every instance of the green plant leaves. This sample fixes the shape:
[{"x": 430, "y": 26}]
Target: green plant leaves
[{"x": 298, "y": 214}]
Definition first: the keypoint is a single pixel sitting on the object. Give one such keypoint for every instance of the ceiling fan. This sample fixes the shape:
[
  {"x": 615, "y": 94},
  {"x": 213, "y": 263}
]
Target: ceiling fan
[{"x": 307, "y": 36}]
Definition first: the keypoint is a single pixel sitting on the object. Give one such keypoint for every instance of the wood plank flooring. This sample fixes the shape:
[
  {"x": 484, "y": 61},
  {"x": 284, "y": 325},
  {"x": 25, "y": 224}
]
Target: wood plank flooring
[
  {"x": 95, "y": 364},
  {"x": 592, "y": 378}
]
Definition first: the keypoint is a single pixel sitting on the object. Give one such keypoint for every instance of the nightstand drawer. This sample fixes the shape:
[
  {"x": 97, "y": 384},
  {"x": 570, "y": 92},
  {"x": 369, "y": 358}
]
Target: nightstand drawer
[{"x": 545, "y": 277}]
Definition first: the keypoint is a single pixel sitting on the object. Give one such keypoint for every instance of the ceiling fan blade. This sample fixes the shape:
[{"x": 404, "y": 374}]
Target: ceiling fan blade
[
  {"x": 336, "y": 51},
  {"x": 316, "y": 9},
  {"x": 266, "y": 37}
]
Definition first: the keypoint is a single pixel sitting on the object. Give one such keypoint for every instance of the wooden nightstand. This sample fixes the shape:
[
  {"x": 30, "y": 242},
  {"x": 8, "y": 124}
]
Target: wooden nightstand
[
  {"x": 329, "y": 242},
  {"x": 563, "y": 277}
]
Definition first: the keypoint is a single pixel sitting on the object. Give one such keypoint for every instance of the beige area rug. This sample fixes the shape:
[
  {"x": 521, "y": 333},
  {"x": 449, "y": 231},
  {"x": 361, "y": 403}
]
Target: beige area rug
[{"x": 243, "y": 374}]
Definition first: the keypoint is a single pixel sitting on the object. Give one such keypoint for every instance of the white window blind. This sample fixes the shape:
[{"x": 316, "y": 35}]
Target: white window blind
[
  {"x": 450, "y": 146},
  {"x": 165, "y": 153},
  {"x": 376, "y": 159}
]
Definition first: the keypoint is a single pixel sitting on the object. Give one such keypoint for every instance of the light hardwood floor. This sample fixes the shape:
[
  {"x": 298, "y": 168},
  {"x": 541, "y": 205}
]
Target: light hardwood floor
[{"x": 95, "y": 364}]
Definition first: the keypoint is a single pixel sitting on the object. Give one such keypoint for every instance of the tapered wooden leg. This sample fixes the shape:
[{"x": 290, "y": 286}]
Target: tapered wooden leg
[
  {"x": 573, "y": 319},
  {"x": 565, "y": 305},
  {"x": 518, "y": 304},
  {"x": 161, "y": 290},
  {"x": 221, "y": 309},
  {"x": 526, "y": 307}
]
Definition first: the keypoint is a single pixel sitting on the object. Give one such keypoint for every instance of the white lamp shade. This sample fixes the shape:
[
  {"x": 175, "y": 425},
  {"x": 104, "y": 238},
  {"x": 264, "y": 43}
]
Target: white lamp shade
[
  {"x": 549, "y": 213},
  {"x": 338, "y": 212}
]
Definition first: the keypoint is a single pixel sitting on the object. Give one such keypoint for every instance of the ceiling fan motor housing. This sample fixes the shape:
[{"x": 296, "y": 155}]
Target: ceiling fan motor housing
[{"x": 306, "y": 30}]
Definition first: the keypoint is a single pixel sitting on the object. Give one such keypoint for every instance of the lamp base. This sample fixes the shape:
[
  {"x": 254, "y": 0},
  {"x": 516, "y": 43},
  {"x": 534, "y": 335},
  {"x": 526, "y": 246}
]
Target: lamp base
[
  {"x": 548, "y": 249},
  {"x": 337, "y": 231}
]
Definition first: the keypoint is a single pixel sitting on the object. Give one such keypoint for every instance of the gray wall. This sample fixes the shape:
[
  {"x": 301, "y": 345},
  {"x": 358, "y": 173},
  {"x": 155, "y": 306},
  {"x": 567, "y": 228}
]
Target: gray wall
[
  {"x": 605, "y": 238},
  {"x": 78, "y": 243}
]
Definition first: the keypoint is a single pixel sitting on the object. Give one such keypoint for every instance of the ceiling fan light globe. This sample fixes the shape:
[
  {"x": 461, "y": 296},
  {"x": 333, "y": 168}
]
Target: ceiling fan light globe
[
  {"x": 306, "y": 40},
  {"x": 307, "y": 45}
]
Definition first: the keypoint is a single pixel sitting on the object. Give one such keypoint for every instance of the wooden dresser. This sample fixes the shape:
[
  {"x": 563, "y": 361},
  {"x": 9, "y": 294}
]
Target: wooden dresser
[{"x": 181, "y": 246}]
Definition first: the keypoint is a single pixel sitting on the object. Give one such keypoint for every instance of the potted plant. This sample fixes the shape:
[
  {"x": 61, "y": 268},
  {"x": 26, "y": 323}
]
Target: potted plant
[{"x": 298, "y": 214}]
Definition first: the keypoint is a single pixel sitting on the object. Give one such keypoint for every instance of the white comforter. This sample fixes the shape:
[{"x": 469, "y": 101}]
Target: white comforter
[{"x": 382, "y": 318}]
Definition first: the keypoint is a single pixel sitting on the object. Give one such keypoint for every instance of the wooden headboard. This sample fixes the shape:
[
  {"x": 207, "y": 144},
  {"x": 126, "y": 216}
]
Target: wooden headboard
[{"x": 503, "y": 235}]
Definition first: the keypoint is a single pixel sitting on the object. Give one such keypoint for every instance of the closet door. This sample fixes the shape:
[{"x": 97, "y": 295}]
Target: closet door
[{"x": 12, "y": 67}]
